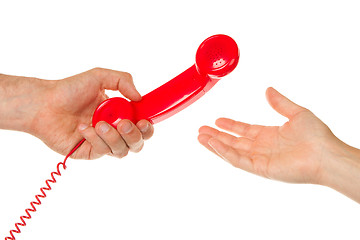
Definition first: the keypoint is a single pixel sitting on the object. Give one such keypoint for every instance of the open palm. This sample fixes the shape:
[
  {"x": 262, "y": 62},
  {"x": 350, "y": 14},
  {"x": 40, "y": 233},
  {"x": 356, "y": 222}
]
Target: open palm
[{"x": 292, "y": 152}]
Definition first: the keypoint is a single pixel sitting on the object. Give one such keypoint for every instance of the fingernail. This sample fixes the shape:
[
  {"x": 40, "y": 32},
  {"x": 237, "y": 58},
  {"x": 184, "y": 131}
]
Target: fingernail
[
  {"x": 82, "y": 127},
  {"x": 126, "y": 127},
  {"x": 104, "y": 128},
  {"x": 144, "y": 128}
]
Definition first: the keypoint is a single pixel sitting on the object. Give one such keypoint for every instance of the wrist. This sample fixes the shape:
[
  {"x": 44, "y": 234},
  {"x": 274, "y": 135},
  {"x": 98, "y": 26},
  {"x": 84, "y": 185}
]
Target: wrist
[
  {"x": 20, "y": 100},
  {"x": 341, "y": 170}
]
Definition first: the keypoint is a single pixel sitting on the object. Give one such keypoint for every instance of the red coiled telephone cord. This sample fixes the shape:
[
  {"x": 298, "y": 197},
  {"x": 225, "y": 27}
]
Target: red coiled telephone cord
[{"x": 42, "y": 195}]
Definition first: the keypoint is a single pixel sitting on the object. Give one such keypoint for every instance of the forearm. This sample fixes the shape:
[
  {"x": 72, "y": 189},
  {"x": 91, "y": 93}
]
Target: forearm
[
  {"x": 342, "y": 171},
  {"x": 20, "y": 99}
]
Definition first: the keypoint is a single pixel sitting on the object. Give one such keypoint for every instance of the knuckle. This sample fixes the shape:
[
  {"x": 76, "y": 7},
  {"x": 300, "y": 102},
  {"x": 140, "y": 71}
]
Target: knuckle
[
  {"x": 126, "y": 77},
  {"x": 137, "y": 147},
  {"x": 147, "y": 136},
  {"x": 96, "y": 70},
  {"x": 137, "y": 144},
  {"x": 89, "y": 134},
  {"x": 134, "y": 139},
  {"x": 235, "y": 142},
  {"x": 247, "y": 130},
  {"x": 146, "y": 129},
  {"x": 103, "y": 150},
  {"x": 137, "y": 136},
  {"x": 111, "y": 139},
  {"x": 122, "y": 154},
  {"x": 150, "y": 132}
]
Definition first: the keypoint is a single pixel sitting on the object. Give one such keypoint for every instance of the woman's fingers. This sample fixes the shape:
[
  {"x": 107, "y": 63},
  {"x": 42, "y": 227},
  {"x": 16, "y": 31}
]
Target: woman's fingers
[
  {"x": 204, "y": 140},
  {"x": 239, "y": 143},
  {"x": 239, "y": 128},
  {"x": 235, "y": 150},
  {"x": 225, "y": 137},
  {"x": 235, "y": 157}
]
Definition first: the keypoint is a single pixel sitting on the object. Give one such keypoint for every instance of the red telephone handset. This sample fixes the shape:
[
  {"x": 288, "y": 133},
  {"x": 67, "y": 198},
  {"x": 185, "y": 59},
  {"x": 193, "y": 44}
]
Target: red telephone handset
[{"x": 217, "y": 56}]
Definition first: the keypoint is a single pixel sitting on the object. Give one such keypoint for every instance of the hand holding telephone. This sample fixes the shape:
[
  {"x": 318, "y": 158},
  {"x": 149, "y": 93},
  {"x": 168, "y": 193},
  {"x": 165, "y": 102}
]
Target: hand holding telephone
[{"x": 217, "y": 56}]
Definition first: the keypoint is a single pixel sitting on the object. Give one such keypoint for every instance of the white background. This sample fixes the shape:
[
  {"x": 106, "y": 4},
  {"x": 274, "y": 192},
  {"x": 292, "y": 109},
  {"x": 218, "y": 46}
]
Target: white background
[{"x": 175, "y": 188}]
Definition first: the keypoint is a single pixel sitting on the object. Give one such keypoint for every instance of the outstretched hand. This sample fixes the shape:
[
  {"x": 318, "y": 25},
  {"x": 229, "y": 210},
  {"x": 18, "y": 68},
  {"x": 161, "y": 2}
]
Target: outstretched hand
[
  {"x": 293, "y": 152},
  {"x": 66, "y": 116}
]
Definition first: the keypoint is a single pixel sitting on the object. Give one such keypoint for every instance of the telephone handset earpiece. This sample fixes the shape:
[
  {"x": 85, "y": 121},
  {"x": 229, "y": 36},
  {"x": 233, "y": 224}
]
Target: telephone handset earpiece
[{"x": 217, "y": 56}]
